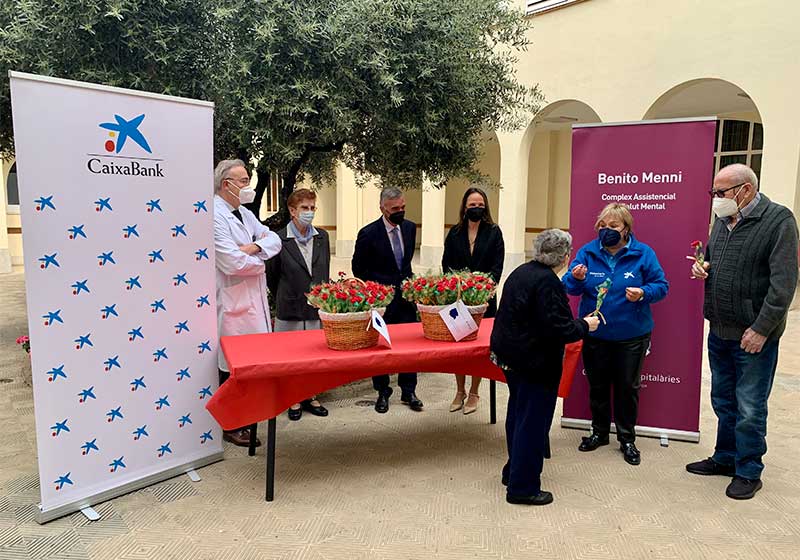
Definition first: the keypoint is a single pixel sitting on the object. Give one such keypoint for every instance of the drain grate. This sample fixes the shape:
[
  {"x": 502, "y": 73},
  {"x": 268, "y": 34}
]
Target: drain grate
[{"x": 365, "y": 403}]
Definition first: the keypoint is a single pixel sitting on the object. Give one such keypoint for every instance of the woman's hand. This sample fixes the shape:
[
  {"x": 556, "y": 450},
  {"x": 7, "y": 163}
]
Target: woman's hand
[
  {"x": 634, "y": 294},
  {"x": 579, "y": 272},
  {"x": 593, "y": 322}
]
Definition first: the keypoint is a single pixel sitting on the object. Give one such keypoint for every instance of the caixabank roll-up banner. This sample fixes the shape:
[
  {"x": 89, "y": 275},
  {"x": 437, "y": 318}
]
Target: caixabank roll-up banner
[
  {"x": 116, "y": 208},
  {"x": 663, "y": 171}
]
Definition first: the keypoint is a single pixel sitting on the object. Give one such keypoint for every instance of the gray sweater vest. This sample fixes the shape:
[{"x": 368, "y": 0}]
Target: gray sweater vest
[{"x": 753, "y": 272}]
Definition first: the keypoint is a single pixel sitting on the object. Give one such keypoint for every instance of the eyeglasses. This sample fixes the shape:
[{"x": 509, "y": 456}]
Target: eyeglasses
[
  {"x": 720, "y": 193},
  {"x": 244, "y": 182}
]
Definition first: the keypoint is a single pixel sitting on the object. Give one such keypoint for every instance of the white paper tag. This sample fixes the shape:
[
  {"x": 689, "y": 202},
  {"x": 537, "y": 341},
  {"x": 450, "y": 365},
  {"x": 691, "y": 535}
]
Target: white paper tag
[
  {"x": 458, "y": 319},
  {"x": 379, "y": 325}
]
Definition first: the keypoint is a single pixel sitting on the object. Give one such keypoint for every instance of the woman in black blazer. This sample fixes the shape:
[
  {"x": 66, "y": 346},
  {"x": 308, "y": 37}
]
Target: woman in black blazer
[
  {"x": 475, "y": 243},
  {"x": 532, "y": 326}
]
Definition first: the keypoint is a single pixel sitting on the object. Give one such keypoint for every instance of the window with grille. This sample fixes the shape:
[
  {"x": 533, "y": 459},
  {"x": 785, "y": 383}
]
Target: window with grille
[{"x": 739, "y": 142}]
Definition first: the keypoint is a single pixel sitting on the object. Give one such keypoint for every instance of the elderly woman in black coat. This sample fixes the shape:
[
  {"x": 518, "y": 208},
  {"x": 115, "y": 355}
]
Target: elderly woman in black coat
[{"x": 533, "y": 323}]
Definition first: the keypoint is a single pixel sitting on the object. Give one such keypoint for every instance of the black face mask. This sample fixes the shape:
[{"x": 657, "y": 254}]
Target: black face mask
[
  {"x": 609, "y": 237},
  {"x": 475, "y": 214},
  {"x": 397, "y": 217}
]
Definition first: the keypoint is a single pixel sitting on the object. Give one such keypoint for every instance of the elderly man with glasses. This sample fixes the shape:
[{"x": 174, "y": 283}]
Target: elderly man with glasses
[
  {"x": 241, "y": 245},
  {"x": 750, "y": 274}
]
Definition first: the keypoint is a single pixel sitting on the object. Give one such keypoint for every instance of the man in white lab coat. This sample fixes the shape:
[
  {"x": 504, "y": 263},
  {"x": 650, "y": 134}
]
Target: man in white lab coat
[{"x": 242, "y": 244}]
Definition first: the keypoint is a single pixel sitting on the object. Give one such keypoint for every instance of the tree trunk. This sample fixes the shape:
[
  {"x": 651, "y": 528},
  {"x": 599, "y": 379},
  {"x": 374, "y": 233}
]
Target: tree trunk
[
  {"x": 264, "y": 179},
  {"x": 282, "y": 217}
]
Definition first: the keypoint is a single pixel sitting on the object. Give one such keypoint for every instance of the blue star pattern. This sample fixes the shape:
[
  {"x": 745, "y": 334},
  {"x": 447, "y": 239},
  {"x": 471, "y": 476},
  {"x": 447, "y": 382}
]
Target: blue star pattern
[
  {"x": 44, "y": 202},
  {"x": 117, "y": 249},
  {"x": 80, "y": 286},
  {"x": 103, "y": 204},
  {"x": 52, "y": 317},
  {"x": 55, "y": 373},
  {"x": 77, "y": 231}
]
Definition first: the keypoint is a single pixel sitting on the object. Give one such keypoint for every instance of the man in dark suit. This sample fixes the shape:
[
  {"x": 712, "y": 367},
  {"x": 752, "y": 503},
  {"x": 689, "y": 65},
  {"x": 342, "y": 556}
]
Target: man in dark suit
[{"x": 383, "y": 254}]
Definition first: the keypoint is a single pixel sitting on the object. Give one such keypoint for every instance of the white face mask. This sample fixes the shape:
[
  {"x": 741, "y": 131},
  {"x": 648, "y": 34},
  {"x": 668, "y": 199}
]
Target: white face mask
[
  {"x": 246, "y": 194},
  {"x": 725, "y": 207}
]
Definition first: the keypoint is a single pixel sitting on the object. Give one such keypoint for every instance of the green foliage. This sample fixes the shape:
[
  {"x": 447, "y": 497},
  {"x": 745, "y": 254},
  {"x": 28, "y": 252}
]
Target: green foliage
[{"x": 395, "y": 88}]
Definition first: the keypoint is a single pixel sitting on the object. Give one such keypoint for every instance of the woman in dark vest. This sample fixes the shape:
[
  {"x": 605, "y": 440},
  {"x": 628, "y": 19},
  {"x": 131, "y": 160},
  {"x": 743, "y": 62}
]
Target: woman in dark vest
[
  {"x": 475, "y": 243},
  {"x": 305, "y": 259}
]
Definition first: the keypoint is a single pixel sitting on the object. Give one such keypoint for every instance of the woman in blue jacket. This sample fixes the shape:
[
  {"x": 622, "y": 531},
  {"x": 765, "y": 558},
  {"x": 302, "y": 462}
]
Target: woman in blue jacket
[{"x": 614, "y": 353}]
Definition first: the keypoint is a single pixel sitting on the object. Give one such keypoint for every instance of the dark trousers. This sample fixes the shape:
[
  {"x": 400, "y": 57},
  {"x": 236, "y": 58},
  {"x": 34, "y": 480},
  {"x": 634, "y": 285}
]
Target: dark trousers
[
  {"x": 528, "y": 418},
  {"x": 740, "y": 386},
  {"x": 616, "y": 364},
  {"x": 406, "y": 381},
  {"x": 223, "y": 377}
]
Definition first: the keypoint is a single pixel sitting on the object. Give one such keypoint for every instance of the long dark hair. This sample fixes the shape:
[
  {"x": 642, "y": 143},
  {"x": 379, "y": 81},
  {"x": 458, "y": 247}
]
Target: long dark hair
[{"x": 462, "y": 213}]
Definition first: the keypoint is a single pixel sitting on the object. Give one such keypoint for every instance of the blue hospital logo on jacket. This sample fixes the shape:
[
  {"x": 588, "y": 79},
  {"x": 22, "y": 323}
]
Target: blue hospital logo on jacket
[{"x": 634, "y": 266}]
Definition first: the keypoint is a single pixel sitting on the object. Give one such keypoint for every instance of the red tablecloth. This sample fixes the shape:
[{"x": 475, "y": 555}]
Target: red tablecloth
[{"x": 271, "y": 372}]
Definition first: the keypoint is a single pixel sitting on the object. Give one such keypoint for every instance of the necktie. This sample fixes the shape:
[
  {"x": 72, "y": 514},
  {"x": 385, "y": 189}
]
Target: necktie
[
  {"x": 397, "y": 248},
  {"x": 238, "y": 214}
]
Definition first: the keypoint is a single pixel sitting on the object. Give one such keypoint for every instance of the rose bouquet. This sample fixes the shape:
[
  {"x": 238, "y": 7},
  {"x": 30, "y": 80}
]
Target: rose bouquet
[
  {"x": 25, "y": 342},
  {"x": 345, "y": 310},
  {"x": 432, "y": 292},
  {"x": 27, "y": 375},
  {"x": 349, "y": 295},
  {"x": 473, "y": 288}
]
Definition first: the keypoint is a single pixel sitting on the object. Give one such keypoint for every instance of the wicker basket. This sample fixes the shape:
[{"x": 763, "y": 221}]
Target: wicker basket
[
  {"x": 349, "y": 331},
  {"x": 435, "y": 328}
]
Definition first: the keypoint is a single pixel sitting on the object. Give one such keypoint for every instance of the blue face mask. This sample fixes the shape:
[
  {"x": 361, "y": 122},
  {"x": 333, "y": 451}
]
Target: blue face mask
[{"x": 609, "y": 237}]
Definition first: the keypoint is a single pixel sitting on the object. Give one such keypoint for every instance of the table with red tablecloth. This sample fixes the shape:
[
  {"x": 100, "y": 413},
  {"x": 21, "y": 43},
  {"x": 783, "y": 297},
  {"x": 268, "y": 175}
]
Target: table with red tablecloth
[{"x": 270, "y": 372}]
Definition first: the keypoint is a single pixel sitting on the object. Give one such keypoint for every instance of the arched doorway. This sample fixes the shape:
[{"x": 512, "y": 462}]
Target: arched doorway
[
  {"x": 550, "y": 166},
  {"x": 740, "y": 133}
]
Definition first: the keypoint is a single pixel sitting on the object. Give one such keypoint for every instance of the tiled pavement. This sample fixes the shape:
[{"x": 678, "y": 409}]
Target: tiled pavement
[{"x": 411, "y": 485}]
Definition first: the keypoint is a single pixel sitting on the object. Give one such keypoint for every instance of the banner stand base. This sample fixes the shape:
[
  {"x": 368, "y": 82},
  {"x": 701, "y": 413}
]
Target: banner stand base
[
  {"x": 643, "y": 431},
  {"x": 90, "y": 513},
  {"x": 193, "y": 476},
  {"x": 87, "y": 503}
]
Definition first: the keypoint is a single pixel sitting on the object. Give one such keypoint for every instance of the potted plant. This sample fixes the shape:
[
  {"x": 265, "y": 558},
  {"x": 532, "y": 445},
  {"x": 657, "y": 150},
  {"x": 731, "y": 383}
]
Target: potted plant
[
  {"x": 433, "y": 292},
  {"x": 27, "y": 374},
  {"x": 345, "y": 310}
]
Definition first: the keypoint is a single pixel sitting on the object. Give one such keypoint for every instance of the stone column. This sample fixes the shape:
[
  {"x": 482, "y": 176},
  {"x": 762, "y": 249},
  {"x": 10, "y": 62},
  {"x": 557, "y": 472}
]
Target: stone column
[
  {"x": 433, "y": 202},
  {"x": 348, "y": 199},
  {"x": 513, "y": 197}
]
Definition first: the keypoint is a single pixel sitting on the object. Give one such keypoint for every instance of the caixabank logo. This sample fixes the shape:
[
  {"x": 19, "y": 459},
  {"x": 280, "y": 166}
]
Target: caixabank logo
[{"x": 124, "y": 134}]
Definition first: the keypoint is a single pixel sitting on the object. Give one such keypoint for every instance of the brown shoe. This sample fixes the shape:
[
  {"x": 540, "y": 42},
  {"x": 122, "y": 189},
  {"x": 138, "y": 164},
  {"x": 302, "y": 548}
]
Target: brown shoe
[{"x": 240, "y": 437}]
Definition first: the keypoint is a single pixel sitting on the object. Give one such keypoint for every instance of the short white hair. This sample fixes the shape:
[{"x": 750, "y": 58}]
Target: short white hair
[
  {"x": 740, "y": 173},
  {"x": 222, "y": 169},
  {"x": 551, "y": 247}
]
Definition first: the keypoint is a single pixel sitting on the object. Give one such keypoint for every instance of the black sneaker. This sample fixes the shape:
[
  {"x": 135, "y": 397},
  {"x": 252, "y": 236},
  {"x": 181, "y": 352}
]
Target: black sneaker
[
  {"x": 541, "y": 499},
  {"x": 709, "y": 467},
  {"x": 742, "y": 488}
]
